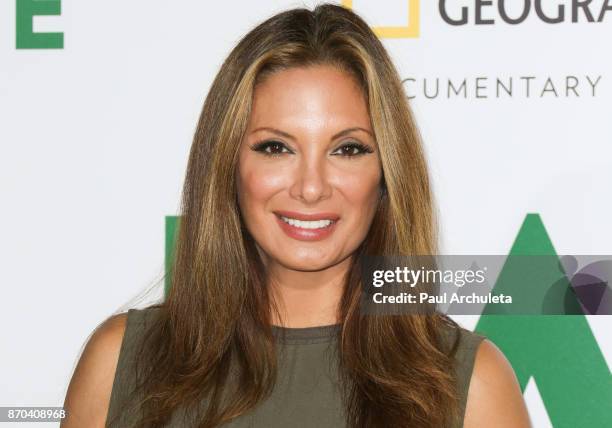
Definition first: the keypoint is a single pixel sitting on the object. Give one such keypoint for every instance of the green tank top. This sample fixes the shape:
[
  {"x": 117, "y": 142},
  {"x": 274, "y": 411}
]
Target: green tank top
[{"x": 307, "y": 390}]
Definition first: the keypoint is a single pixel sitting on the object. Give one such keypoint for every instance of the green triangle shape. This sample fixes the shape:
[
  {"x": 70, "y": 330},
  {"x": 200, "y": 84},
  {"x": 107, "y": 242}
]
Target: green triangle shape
[{"x": 559, "y": 351}]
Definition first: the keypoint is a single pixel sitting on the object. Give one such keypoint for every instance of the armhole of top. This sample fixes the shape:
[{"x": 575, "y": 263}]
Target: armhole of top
[
  {"x": 469, "y": 343},
  {"x": 119, "y": 389}
]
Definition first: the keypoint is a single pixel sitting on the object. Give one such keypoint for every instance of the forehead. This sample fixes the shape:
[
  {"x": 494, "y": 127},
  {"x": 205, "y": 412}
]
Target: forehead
[{"x": 316, "y": 93}]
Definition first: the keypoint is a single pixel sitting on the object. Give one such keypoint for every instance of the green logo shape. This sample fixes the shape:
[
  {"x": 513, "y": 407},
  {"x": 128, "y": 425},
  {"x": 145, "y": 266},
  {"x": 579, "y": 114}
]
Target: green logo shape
[
  {"x": 25, "y": 36},
  {"x": 559, "y": 351},
  {"x": 172, "y": 224}
]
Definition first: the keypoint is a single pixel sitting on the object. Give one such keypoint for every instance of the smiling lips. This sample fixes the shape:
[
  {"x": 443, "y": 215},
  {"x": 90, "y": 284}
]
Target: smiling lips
[{"x": 307, "y": 227}]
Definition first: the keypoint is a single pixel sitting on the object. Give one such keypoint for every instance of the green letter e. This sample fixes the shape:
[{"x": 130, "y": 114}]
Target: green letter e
[{"x": 25, "y": 37}]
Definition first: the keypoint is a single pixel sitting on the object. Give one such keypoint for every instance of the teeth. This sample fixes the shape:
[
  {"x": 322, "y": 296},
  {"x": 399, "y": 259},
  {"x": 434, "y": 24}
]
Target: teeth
[{"x": 318, "y": 224}]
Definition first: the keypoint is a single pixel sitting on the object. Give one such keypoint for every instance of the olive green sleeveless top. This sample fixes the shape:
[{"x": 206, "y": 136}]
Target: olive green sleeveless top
[{"x": 306, "y": 393}]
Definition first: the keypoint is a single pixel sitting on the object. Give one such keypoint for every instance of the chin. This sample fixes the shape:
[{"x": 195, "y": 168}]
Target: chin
[{"x": 306, "y": 264}]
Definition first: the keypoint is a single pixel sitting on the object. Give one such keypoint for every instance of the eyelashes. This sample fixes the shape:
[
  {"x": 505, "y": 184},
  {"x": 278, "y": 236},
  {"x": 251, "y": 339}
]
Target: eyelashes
[
  {"x": 271, "y": 148},
  {"x": 276, "y": 148}
]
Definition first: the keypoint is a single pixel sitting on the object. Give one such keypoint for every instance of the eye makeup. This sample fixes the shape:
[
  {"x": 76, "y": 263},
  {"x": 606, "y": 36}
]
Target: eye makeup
[{"x": 276, "y": 148}]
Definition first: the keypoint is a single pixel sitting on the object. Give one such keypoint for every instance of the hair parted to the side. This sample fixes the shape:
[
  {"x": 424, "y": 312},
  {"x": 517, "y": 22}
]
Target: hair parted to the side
[{"x": 211, "y": 340}]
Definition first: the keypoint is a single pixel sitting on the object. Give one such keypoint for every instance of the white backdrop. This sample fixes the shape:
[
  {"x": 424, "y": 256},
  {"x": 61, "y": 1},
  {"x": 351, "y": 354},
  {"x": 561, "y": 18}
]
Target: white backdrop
[{"x": 94, "y": 140}]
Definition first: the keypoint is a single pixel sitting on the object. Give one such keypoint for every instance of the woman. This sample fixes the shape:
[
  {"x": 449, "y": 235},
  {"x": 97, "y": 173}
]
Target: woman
[{"x": 306, "y": 158}]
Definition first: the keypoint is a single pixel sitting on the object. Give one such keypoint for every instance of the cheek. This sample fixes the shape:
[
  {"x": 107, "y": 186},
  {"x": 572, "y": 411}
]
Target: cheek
[
  {"x": 256, "y": 185},
  {"x": 361, "y": 190}
]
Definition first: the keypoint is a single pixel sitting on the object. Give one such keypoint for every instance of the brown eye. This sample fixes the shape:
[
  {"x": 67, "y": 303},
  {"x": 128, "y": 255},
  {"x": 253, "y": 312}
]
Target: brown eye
[
  {"x": 352, "y": 150},
  {"x": 271, "y": 148}
]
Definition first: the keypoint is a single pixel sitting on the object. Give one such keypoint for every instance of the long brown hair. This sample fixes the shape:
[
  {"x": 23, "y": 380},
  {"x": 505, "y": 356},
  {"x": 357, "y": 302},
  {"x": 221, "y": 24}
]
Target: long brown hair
[{"x": 214, "y": 325}]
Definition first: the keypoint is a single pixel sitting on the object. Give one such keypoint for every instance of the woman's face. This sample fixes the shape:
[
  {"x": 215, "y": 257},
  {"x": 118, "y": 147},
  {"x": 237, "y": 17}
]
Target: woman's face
[{"x": 308, "y": 172}]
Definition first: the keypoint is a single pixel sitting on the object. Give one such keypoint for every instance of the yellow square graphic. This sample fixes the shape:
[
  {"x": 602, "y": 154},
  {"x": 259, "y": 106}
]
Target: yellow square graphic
[{"x": 411, "y": 30}]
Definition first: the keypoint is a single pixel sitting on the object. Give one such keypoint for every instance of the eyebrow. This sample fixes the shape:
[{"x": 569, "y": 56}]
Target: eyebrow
[{"x": 291, "y": 137}]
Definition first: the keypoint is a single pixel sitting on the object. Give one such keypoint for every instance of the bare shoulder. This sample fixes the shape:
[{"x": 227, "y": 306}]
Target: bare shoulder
[
  {"x": 494, "y": 394},
  {"x": 88, "y": 396}
]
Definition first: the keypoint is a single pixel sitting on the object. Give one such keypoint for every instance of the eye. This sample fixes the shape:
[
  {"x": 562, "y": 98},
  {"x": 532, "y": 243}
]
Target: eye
[
  {"x": 271, "y": 148},
  {"x": 352, "y": 149}
]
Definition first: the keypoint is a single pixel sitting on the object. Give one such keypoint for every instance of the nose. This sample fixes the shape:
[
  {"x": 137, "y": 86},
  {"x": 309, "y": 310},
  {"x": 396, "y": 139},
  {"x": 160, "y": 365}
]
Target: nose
[{"x": 310, "y": 184}]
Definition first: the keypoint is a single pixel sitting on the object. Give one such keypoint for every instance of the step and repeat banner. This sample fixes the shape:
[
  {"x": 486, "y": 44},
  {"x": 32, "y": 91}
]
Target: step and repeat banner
[{"x": 98, "y": 106}]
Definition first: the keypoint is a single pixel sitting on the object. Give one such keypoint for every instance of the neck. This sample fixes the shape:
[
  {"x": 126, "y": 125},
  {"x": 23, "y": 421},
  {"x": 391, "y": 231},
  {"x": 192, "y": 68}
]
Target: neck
[{"x": 307, "y": 299}]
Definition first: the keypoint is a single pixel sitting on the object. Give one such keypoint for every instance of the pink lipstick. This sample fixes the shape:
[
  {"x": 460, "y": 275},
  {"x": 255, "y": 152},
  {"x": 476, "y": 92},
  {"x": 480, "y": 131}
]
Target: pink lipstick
[{"x": 307, "y": 227}]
